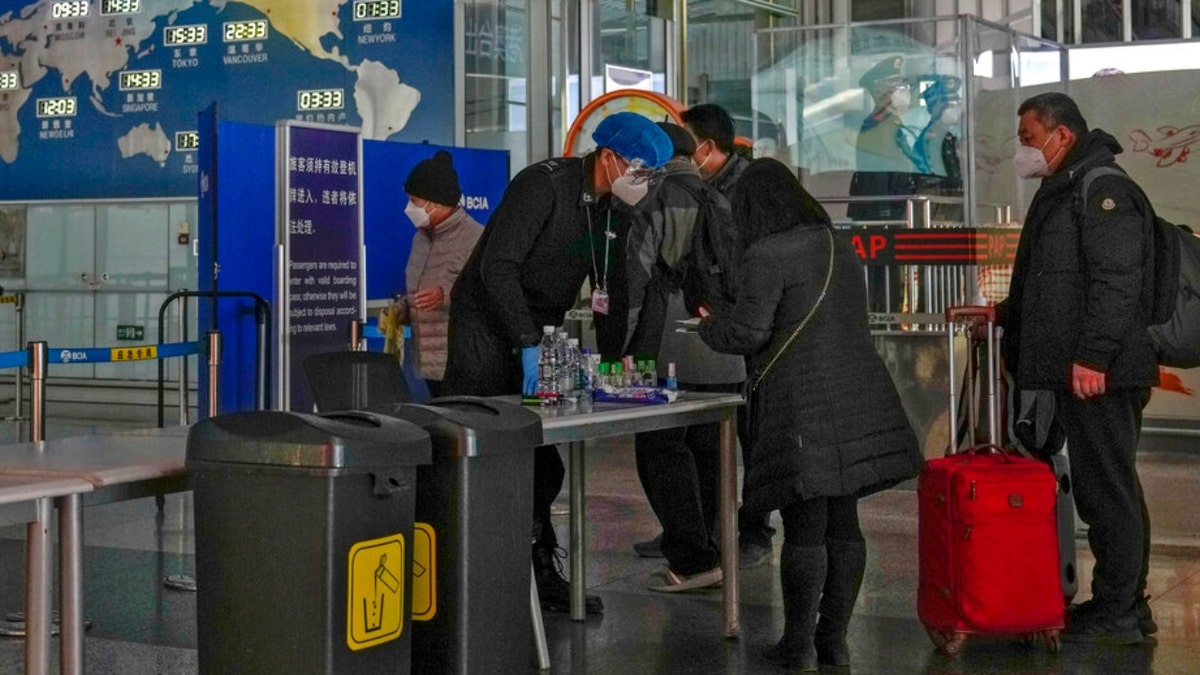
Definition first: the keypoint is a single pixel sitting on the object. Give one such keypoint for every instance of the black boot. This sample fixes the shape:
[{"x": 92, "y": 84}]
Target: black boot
[
  {"x": 847, "y": 562},
  {"x": 554, "y": 591},
  {"x": 802, "y": 576}
]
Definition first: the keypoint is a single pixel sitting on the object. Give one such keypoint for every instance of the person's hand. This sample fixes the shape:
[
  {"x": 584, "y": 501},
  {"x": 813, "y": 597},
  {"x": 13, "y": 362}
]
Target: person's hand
[
  {"x": 703, "y": 312},
  {"x": 1087, "y": 383},
  {"x": 529, "y": 364},
  {"x": 429, "y": 298}
]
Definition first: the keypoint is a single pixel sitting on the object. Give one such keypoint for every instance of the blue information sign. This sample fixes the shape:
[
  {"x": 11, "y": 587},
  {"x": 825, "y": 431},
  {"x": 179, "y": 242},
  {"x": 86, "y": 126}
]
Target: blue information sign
[{"x": 319, "y": 288}]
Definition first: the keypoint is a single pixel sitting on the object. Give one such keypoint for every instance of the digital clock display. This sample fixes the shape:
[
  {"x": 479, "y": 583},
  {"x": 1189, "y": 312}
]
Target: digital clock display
[
  {"x": 320, "y": 99},
  {"x": 186, "y": 141},
  {"x": 140, "y": 79},
  {"x": 238, "y": 31},
  {"x": 69, "y": 10},
  {"x": 9, "y": 80},
  {"x": 63, "y": 106},
  {"x": 365, "y": 10},
  {"x": 178, "y": 36},
  {"x": 120, "y": 6}
]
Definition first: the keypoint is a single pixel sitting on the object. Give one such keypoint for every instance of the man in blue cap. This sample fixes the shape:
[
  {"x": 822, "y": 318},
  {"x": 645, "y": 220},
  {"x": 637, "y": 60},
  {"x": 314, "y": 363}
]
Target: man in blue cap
[{"x": 525, "y": 273}]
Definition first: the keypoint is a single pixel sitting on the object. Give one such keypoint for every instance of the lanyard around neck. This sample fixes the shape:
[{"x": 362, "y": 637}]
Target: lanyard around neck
[{"x": 608, "y": 236}]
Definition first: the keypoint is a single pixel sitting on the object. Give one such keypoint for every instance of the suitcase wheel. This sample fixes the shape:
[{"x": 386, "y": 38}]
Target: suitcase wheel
[
  {"x": 950, "y": 643},
  {"x": 1053, "y": 641}
]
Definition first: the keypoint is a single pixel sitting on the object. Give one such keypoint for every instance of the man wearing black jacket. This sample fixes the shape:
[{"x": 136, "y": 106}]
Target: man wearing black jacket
[
  {"x": 1075, "y": 323},
  {"x": 525, "y": 273}
]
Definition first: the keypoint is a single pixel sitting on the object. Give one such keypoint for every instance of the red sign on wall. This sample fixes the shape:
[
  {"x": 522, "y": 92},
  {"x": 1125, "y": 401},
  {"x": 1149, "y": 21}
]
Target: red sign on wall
[{"x": 880, "y": 246}]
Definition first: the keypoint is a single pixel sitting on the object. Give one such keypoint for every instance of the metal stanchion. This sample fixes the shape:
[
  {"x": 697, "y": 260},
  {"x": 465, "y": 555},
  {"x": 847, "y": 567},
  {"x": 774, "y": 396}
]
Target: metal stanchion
[
  {"x": 356, "y": 335},
  {"x": 186, "y": 582}
]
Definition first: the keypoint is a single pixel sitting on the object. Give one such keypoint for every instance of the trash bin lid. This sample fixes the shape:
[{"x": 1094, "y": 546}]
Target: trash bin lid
[
  {"x": 475, "y": 425},
  {"x": 335, "y": 440}
]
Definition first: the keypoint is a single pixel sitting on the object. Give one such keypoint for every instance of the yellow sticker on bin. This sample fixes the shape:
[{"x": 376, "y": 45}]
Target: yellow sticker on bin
[
  {"x": 375, "y": 592},
  {"x": 424, "y": 582}
]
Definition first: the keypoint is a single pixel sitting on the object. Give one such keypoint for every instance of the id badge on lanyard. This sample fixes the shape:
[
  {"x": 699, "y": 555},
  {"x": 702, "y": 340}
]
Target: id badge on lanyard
[{"x": 600, "y": 293}]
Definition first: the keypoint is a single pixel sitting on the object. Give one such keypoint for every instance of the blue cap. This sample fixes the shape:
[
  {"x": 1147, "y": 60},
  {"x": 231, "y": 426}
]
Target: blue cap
[{"x": 633, "y": 136}]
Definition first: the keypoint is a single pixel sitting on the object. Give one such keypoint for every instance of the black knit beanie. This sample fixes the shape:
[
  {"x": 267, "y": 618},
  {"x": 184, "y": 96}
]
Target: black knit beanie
[{"x": 434, "y": 179}]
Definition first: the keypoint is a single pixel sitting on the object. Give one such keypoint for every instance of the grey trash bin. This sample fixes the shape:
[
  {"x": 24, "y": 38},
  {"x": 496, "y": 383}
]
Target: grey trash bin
[
  {"x": 304, "y": 528},
  {"x": 478, "y": 497}
]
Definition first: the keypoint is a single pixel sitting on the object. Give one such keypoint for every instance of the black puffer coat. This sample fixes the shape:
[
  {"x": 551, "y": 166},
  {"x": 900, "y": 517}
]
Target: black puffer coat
[
  {"x": 827, "y": 420},
  {"x": 1082, "y": 281}
]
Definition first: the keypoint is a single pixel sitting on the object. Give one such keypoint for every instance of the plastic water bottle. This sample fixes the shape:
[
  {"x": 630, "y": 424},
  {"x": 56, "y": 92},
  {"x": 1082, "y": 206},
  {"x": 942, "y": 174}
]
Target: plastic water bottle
[
  {"x": 566, "y": 379},
  {"x": 575, "y": 367},
  {"x": 588, "y": 373},
  {"x": 548, "y": 367}
]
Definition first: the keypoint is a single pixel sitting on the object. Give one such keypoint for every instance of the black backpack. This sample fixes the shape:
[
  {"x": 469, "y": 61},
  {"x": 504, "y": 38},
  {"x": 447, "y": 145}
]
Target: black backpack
[
  {"x": 710, "y": 273},
  {"x": 1176, "y": 305}
]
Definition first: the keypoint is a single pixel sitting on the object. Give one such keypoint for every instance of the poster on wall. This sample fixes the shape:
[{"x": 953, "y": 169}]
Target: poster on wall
[
  {"x": 120, "y": 82},
  {"x": 319, "y": 280}
]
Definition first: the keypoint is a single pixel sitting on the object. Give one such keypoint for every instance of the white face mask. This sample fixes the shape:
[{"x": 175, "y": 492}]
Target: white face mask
[
  {"x": 951, "y": 115},
  {"x": 901, "y": 98},
  {"x": 1030, "y": 162},
  {"x": 417, "y": 215},
  {"x": 630, "y": 188},
  {"x": 700, "y": 166}
]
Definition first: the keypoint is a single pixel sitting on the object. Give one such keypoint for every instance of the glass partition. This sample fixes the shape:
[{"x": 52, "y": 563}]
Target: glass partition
[{"x": 908, "y": 125}]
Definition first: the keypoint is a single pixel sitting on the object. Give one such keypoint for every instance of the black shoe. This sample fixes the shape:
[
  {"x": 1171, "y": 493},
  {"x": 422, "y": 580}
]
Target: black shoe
[
  {"x": 554, "y": 591},
  {"x": 649, "y": 549},
  {"x": 1146, "y": 622},
  {"x": 1145, "y": 618},
  {"x": 1089, "y": 623},
  {"x": 796, "y": 660},
  {"x": 751, "y": 555}
]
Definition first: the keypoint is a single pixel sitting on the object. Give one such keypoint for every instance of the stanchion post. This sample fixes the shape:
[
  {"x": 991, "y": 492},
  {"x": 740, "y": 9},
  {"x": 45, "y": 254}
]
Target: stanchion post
[
  {"x": 356, "y": 335},
  {"x": 39, "y": 357},
  {"x": 214, "y": 371},
  {"x": 18, "y": 406}
]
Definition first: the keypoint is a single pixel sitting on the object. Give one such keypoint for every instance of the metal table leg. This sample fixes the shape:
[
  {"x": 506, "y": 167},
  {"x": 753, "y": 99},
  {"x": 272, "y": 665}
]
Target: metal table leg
[
  {"x": 70, "y": 533},
  {"x": 38, "y": 589},
  {"x": 539, "y": 628},
  {"x": 578, "y": 580},
  {"x": 729, "y": 530}
]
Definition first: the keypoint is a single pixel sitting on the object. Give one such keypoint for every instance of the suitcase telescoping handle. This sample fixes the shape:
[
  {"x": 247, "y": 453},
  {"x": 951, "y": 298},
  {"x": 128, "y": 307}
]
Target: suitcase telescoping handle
[{"x": 969, "y": 316}]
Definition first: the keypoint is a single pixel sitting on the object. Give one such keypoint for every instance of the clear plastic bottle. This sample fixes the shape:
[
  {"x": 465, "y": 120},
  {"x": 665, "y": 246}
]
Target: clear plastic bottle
[
  {"x": 566, "y": 377},
  {"x": 548, "y": 367},
  {"x": 589, "y": 372}
]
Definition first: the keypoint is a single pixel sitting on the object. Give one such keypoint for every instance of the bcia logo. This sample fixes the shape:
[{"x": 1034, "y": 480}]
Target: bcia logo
[{"x": 67, "y": 356}]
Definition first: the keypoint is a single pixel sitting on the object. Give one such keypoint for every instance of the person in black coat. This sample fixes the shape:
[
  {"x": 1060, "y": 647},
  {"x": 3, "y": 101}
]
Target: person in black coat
[
  {"x": 826, "y": 422},
  {"x": 1075, "y": 324},
  {"x": 525, "y": 272}
]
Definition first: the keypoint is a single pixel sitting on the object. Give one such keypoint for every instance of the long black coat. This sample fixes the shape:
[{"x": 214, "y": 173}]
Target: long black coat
[
  {"x": 827, "y": 421},
  {"x": 1082, "y": 280}
]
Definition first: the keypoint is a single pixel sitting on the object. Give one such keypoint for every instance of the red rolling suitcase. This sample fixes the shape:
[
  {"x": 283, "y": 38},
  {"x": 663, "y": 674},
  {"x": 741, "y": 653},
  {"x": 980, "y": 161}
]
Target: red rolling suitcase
[{"x": 988, "y": 532}]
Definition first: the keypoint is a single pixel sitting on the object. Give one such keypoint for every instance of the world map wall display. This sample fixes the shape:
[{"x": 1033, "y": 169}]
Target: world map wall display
[{"x": 98, "y": 98}]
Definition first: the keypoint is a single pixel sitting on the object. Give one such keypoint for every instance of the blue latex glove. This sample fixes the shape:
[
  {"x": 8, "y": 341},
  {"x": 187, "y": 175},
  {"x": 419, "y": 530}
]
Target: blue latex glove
[{"x": 529, "y": 363}]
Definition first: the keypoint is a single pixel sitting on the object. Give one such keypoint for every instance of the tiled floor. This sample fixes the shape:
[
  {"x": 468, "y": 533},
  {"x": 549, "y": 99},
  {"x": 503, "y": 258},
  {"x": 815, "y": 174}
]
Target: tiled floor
[{"x": 139, "y": 627}]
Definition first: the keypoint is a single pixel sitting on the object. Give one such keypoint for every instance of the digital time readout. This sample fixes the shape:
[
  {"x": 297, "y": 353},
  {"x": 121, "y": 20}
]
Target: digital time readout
[
  {"x": 9, "y": 80},
  {"x": 239, "y": 31},
  {"x": 132, "y": 80},
  {"x": 120, "y": 6},
  {"x": 69, "y": 10},
  {"x": 62, "y": 106},
  {"x": 187, "y": 141},
  {"x": 365, "y": 10},
  {"x": 180, "y": 36},
  {"x": 320, "y": 99}
]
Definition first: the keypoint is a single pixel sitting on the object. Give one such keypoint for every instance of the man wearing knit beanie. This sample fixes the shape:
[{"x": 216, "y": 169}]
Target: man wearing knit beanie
[
  {"x": 443, "y": 241},
  {"x": 545, "y": 237}
]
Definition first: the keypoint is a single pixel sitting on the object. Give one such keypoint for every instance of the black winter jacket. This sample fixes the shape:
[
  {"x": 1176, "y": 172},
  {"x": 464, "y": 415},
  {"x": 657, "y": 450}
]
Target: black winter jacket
[
  {"x": 528, "y": 267},
  {"x": 1082, "y": 280},
  {"x": 827, "y": 421}
]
